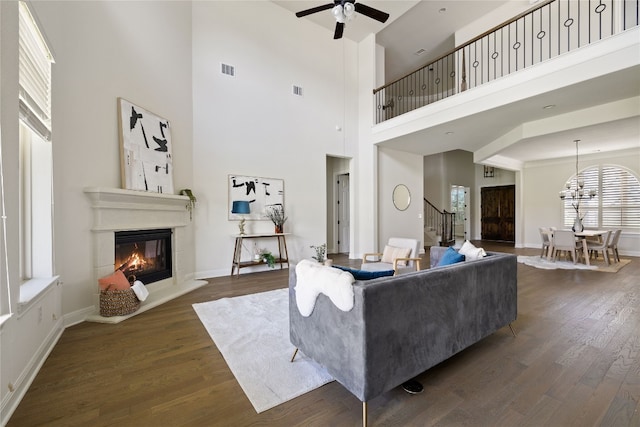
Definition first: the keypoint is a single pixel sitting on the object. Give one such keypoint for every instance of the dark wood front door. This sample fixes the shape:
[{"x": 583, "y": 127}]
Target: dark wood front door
[{"x": 498, "y": 213}]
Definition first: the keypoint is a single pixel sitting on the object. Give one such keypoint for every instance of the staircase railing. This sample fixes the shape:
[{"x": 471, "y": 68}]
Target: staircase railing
[
  {"x": 552, "y": 28},
  {"x": 442, "y": 222}
]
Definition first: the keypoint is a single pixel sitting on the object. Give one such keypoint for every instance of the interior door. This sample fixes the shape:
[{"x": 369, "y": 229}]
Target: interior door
[
  {"x": 467, "y": 213},
  {"x": 498, "y": 213},
  {"x": 342, "y": 216}
]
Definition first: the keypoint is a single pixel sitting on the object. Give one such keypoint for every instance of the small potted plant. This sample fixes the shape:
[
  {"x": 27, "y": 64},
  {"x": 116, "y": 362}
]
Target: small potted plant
[
  {"x": 192, "y": 201},
  {"x": 268, "y": 257},
  {"x": 320, "y": 252},
  {"x": 276, "y": 214}
]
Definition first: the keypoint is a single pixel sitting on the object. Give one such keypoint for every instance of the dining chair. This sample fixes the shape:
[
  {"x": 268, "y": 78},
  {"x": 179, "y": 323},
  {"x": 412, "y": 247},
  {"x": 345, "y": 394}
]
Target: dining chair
[
  {"x": 613, "y": 245},
  {"x": 565, "y": 240},
  {"x": 545, "y": 234},
  {"x": 601, "y": 246}
]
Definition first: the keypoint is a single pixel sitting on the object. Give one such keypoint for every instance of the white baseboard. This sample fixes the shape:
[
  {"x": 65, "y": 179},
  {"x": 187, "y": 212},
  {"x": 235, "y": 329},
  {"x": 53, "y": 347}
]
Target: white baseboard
[{"x": 77, "y": 316}]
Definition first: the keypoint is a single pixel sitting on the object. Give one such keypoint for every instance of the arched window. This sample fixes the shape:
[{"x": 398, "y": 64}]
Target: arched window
[{"x": 617, "y": 200}]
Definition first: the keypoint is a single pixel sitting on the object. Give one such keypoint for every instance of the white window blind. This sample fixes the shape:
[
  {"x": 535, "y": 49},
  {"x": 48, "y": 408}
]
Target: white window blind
[
  {"x": 620, "y": 198},
  {"x": 617, "y": 200},
  {"x": 34, "y": 75}
]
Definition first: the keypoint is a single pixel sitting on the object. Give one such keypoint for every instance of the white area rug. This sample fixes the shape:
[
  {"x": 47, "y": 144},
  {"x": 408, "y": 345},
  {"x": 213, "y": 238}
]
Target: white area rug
[
  {"x": 252, "y": 333},
  {"x": 543, "y": 263},
  {"x": 596, "y": 265}
]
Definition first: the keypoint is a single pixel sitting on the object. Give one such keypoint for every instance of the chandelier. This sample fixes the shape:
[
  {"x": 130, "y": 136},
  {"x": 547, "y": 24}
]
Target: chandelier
[
  {"x": 575, "y": 195},
  {"x": 579, "y": 192}
]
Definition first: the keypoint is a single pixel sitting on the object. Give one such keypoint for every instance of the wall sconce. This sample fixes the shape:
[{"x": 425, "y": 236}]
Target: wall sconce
[
  {"x": 489, "y": 172},
  {"x": 241, "y": 207}
]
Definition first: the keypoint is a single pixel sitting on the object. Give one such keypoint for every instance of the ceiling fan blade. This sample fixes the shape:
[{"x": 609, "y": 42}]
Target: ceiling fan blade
[
  {"x": 314, "y": 10},
  {"x": 339, "y": 31},
  {"x": 372, "y": 13}
]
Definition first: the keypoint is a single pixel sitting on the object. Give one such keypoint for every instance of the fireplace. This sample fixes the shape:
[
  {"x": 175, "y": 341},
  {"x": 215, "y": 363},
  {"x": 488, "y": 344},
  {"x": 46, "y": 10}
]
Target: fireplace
[
  {"x": 117, "y": 210},
  {"x": 144, "y": 254}
]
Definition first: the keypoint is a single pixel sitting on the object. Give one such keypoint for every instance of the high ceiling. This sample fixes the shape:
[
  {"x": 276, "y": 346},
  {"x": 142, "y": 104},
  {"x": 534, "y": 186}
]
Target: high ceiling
[
  {"x": 413, "y": 25},
  {"x": 429, "y": 26}
]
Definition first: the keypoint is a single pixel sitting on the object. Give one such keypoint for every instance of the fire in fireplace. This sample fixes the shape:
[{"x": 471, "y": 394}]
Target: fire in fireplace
[{"x": 145, "y": 254}]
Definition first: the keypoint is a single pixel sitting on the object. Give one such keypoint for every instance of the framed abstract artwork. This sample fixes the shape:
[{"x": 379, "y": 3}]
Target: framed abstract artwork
[
  {"x": 259, "y": 192},
  {"x": 145, "y": 149}
]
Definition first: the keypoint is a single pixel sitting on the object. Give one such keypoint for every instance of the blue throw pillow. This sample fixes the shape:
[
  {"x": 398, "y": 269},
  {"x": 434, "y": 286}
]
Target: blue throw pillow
[
  {"x": 365, "y": 275},
  {"x": 451, "y": 256}
]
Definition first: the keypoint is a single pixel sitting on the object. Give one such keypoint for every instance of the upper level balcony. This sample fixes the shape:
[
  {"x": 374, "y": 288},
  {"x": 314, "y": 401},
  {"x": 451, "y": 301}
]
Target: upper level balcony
[
  {"x": 551, "y": 29},
  {"x": 585, "y": 51}
]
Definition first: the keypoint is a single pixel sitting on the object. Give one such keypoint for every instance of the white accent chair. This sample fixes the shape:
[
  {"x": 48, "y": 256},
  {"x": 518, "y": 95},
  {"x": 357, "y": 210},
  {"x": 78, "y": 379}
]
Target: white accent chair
[{"x": 391, "y": 259}]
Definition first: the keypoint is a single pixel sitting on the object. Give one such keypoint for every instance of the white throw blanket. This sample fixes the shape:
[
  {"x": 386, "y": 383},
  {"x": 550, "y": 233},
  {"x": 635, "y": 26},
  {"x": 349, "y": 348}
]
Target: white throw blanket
[
  {"x": 140, "y": 290},
  {"x": 314, "y": 278}
]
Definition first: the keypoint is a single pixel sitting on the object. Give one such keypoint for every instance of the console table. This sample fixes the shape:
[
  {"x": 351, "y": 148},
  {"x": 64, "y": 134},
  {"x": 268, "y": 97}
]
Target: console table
[{"x": 283, "y": 256}]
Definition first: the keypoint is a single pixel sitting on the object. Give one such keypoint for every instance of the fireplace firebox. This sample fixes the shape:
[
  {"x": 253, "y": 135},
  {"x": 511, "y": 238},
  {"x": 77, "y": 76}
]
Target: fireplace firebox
[{"x": 144, "y": 254}]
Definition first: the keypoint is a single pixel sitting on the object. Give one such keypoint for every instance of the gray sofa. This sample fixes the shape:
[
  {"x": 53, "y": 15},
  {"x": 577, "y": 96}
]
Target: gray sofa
[{"x": 400, "y": 326}]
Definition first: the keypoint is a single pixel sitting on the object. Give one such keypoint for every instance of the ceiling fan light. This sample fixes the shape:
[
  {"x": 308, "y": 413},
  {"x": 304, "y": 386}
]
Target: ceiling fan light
[
  {"x": 337, "y": 12},
  {"x": 349, "y": 10}
]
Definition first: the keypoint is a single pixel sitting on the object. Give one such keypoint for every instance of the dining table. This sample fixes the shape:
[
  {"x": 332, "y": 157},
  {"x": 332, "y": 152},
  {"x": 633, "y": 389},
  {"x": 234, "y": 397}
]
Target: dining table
[{"x": 583, "y": 236}]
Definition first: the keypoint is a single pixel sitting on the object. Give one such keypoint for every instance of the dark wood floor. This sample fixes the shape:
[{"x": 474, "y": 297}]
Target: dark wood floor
[{"x": 575, "y": 362}]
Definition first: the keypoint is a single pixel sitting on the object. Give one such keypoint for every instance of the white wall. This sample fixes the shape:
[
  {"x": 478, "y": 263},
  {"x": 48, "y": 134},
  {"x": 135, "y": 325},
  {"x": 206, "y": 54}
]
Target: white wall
[
  {"x": 501, "y": 14},
  {"x": 252, "y": 124},
  {"x": 103, "y": 50},
  {"x": 397, "y": 167}
]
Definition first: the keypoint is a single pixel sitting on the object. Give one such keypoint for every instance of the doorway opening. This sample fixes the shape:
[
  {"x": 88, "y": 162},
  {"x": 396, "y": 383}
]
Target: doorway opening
[
  {"x": 338, "y": 205},
  {"x": 461, "y": 207},
  {"x": 342, "y": 213}
]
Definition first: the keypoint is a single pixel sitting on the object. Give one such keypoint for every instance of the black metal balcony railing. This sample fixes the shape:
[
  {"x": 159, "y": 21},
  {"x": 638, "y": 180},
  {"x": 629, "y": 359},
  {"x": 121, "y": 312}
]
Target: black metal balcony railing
[{"x": 548, "y": 30}]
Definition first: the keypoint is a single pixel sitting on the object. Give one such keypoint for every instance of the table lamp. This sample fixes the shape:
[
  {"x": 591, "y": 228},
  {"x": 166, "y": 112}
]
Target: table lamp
[{"x": 241, "y": 207}]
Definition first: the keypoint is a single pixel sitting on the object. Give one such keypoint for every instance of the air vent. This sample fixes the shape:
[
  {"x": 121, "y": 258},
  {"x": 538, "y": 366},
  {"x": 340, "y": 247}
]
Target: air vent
[
  {"x": 419, "y": 52},
  {"x": 297, "y": 90},
  {"x": 228, "y": 69}
]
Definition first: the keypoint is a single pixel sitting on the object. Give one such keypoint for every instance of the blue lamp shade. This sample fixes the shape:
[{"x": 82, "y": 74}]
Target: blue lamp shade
[{"x": 240, "y": 207}]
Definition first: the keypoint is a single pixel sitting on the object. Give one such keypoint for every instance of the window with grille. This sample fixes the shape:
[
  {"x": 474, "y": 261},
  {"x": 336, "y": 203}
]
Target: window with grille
[
  {"x": 36, "y": 154},
  {"x": 458, "y": 202},
  {"x": 617, "y": 200}
]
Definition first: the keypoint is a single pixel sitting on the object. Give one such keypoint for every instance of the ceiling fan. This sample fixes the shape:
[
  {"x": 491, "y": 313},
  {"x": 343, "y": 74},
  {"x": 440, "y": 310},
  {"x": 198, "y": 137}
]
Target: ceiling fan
[{"x": 343, "y": 10}]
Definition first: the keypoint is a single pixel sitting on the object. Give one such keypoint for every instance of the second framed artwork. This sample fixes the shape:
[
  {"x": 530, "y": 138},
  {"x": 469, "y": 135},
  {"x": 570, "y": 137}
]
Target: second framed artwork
[
  {"x": 145, "y": 148},
  {"x": 259, "y": 192}
]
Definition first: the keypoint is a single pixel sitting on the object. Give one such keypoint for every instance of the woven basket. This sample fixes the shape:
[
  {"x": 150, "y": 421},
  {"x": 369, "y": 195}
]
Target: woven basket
[{"x": 118, "y": 303}]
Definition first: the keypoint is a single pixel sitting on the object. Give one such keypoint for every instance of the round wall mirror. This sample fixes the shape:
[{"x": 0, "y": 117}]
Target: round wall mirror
[{"x": 401, "y": 197}]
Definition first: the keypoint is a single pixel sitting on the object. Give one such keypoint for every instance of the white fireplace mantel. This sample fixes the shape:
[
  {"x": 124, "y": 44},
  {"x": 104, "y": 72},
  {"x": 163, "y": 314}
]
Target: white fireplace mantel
[{"x": 119, "y": 210}]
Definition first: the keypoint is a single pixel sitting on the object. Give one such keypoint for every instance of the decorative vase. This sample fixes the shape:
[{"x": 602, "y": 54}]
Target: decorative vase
[
  {"x": 577, "y": 225},
  {"x": 279, "y": 229},
  {"x": 328, "y": 262}
]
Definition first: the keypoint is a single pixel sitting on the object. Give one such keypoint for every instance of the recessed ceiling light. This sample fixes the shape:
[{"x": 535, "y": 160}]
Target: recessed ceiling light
[
  {"x": 548, "y": 107},
  {"x": 442, "y": 10}
]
